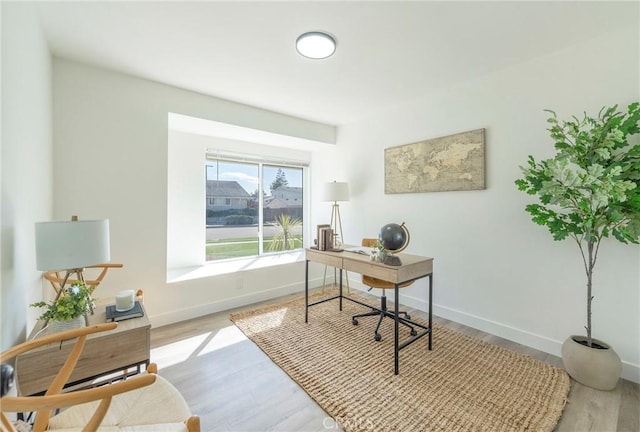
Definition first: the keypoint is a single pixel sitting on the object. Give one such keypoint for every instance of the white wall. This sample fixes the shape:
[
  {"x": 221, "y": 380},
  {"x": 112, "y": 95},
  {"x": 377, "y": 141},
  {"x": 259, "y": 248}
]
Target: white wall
[
  {"x": 111, "y": 158},
  {"x": 27, "y": 192},
  {"x": 494, "y": 268}
]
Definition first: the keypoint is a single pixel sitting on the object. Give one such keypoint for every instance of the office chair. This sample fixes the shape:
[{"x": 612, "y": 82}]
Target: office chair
[{"x": 382, "y": 312}]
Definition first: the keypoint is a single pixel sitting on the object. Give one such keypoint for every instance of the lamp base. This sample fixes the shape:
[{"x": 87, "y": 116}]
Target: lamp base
[{"x": 392, "y": 260}]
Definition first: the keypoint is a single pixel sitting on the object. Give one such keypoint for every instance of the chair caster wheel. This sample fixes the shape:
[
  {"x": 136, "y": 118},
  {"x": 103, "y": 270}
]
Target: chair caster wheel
[
  {"x": 354, "y": 321},
  {"x": 407, "y": 316},
  {"x": 414, "y": 333},
  {"x": 377, "y": 337}
]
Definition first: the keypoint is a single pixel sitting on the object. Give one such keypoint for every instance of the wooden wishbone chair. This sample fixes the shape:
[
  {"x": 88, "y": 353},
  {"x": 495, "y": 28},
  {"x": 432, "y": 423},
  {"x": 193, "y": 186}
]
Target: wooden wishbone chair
[{"x": 146, "y": 401}]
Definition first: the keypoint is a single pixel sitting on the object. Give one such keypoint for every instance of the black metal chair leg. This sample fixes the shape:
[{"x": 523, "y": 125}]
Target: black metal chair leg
[
  {"x": 413, "y": 330},
  {"x": 374, "y": 312},
  {"x": 377, "y": 335},
  {"x": 384, "y": 312},
  {"x": 402, "y": 321}
]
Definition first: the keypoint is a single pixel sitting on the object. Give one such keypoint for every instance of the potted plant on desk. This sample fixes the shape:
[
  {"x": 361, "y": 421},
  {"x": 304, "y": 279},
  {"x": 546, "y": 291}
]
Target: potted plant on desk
[
  {"x": 588, "y": 191},
  {"x": 69, "y": 310}
]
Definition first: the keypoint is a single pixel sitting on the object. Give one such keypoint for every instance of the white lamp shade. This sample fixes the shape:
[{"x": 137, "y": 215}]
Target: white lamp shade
[
  {"x": 336, "y": 191},
  {"x": 72, "y": 244}
]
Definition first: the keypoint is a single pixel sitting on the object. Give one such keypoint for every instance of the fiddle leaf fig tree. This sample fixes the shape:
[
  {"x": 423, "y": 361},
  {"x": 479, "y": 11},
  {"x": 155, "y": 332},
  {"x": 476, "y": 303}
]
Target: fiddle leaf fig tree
[{"x": 591, "y": 188}]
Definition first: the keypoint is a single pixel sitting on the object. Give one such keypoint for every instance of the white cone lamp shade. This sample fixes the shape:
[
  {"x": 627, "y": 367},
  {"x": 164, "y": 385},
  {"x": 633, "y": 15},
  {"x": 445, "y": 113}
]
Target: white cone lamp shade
[
  {"x": 336, "y": 191},
  {"x": 72, "y": 244}
]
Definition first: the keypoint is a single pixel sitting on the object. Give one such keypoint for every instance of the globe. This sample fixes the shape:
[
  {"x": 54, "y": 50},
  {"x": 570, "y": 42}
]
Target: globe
[{"x": 394, "y": 238}]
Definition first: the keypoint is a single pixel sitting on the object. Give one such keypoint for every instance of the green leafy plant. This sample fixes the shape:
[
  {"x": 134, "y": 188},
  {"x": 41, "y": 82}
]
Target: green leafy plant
[
  {"x": 286, "y": 239},
  {"x": 591, "y": 188},
  {"x": 72, "y": 303}
]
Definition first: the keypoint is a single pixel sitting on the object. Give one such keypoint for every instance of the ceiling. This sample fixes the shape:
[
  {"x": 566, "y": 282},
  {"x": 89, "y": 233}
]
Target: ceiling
[{"x": 388, "y": 53}]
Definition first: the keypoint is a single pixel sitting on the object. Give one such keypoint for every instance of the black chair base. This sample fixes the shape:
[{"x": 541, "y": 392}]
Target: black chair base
[{"x": 384, "y": 312}]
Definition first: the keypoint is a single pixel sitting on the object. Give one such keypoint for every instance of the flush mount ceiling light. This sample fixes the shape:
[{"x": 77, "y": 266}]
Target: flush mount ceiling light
[{"x": 316, "y": 45}]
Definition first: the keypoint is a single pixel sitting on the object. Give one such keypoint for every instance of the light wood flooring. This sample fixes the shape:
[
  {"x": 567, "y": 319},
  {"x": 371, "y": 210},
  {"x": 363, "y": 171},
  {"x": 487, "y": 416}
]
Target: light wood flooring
[{"x": 233, "y": 386}]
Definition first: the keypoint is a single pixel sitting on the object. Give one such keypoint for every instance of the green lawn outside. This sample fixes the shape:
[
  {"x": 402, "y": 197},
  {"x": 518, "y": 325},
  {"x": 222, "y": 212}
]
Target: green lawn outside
[{"x": 238, "y": 247}]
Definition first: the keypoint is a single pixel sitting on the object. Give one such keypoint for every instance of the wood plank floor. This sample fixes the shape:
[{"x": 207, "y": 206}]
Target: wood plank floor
[{"x": 234, "y": 386}]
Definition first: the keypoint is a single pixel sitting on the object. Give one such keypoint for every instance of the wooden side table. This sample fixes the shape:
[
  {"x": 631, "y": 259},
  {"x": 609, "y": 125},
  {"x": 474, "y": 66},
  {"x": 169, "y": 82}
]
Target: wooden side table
[{"x": 113, "y": 352}]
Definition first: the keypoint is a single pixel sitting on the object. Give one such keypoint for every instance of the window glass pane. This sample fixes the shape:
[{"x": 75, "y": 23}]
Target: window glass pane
[
  {"x": 231, "y": 210},
  {"x": 283, "y": 216}
]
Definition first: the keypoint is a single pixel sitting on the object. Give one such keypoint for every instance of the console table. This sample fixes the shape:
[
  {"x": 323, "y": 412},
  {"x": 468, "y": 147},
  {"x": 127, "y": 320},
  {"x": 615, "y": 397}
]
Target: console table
[
  {"x": 413, "y": 267},
  {"x": 114, "y": 351}
]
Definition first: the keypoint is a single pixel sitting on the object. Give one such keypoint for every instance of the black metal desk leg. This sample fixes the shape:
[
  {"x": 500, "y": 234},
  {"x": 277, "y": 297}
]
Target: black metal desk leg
[
  {"x": 306, "y": 291},
  {"x": 340, "y": 289},
  {"x": 430, "y": 309},
  {"x": 396, "y": 337}
]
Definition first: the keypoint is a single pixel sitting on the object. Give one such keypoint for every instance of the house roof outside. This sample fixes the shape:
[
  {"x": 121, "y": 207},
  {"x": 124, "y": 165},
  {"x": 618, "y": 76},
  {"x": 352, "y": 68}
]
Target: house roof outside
[
  {"x": 226, "y": 188},
  {"x": 289, "y": 189},
  {"x": 276, "y": 203}
]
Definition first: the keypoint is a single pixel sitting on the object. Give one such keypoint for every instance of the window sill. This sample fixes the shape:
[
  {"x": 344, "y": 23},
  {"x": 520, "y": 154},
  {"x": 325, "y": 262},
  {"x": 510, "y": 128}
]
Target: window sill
[{"x": 182, "y": 274}]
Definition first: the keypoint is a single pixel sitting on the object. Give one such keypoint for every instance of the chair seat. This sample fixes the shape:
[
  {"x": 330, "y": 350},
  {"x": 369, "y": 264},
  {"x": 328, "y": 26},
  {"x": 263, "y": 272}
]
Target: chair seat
[
  {"x": 373, "y": 282},
  {"x": 140, "y": 410}
]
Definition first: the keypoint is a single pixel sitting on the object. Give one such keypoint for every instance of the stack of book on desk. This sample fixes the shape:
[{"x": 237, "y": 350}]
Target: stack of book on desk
[
  {"x": 325, "y": 237},
  {"x": 115, "y": 315}
]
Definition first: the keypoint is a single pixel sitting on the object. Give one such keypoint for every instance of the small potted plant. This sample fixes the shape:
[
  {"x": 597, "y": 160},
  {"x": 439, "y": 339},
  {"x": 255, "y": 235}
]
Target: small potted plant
[
  {"x": 378, "y": 252},
  {"x": 69, "y": 310},
  {"x": 588, "y": 191}
]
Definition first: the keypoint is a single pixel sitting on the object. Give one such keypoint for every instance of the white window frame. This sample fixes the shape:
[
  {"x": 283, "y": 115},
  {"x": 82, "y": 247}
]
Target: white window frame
[{"x": 217, "y": 155}]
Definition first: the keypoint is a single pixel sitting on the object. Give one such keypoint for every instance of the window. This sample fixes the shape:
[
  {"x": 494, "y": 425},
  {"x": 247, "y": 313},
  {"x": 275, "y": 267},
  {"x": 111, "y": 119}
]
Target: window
[{"x": 252, "y": 208}]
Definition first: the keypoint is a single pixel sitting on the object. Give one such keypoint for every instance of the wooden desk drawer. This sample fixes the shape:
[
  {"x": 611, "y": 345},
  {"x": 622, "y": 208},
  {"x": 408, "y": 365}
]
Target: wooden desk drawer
[
  {"x": 371, "y": 269},
  {"x": 411, "y": 268},
  {"x": 327, "y": 258}
]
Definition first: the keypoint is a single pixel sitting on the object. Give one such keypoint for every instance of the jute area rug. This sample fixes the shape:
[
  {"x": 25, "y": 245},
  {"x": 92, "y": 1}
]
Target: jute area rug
[{"x": 463, "y": 384}]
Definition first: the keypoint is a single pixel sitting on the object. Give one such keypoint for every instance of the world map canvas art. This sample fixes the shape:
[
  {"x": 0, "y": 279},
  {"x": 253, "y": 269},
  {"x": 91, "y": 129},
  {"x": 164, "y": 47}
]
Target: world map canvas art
[{"x": 450, "y": 163}]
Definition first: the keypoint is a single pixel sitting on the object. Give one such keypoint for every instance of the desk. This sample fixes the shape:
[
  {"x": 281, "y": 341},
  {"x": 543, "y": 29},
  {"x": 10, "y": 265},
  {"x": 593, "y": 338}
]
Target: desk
[
  {"x": 413, "y": 267},
  {"x": 124, "y": 347}
]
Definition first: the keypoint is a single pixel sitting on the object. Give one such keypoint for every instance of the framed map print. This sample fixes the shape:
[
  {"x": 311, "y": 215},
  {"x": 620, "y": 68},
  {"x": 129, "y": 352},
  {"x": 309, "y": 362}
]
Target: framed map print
[{"x": 450, "y": 163}]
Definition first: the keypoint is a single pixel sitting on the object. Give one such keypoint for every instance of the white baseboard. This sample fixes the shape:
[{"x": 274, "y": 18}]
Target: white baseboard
[
  {"x": 177, "y": 315},
  {"x": 630, "y": 371}
]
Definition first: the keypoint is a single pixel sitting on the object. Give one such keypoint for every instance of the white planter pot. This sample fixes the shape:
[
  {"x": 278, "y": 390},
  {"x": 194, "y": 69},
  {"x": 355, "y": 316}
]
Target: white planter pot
[
  {"x": 593, "y": 367},
  {"x": 60, "y": 326}
]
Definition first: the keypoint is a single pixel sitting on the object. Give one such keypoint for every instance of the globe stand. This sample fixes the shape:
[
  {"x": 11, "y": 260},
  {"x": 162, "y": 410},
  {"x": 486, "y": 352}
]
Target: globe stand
[
  {"x": 394, "y": 238},
  {"x": 392, "y": 260}
]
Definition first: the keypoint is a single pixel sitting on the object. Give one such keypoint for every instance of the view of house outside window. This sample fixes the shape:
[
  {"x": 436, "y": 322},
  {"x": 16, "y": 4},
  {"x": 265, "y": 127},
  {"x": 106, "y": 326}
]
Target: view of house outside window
[{"x": 241, "y": 198}]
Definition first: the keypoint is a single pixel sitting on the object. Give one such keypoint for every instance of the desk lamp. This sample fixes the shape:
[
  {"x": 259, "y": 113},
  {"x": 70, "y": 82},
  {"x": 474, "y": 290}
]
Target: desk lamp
[{"x": 71, "y": 246}]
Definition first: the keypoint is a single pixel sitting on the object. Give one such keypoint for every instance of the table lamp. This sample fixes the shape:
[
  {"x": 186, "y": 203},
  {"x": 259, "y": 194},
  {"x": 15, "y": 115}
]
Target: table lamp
[{"x": 71, "y": 246}]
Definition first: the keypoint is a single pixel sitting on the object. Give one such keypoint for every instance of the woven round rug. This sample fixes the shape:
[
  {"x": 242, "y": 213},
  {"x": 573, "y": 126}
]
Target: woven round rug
[{"x": 463, "y": 384}]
